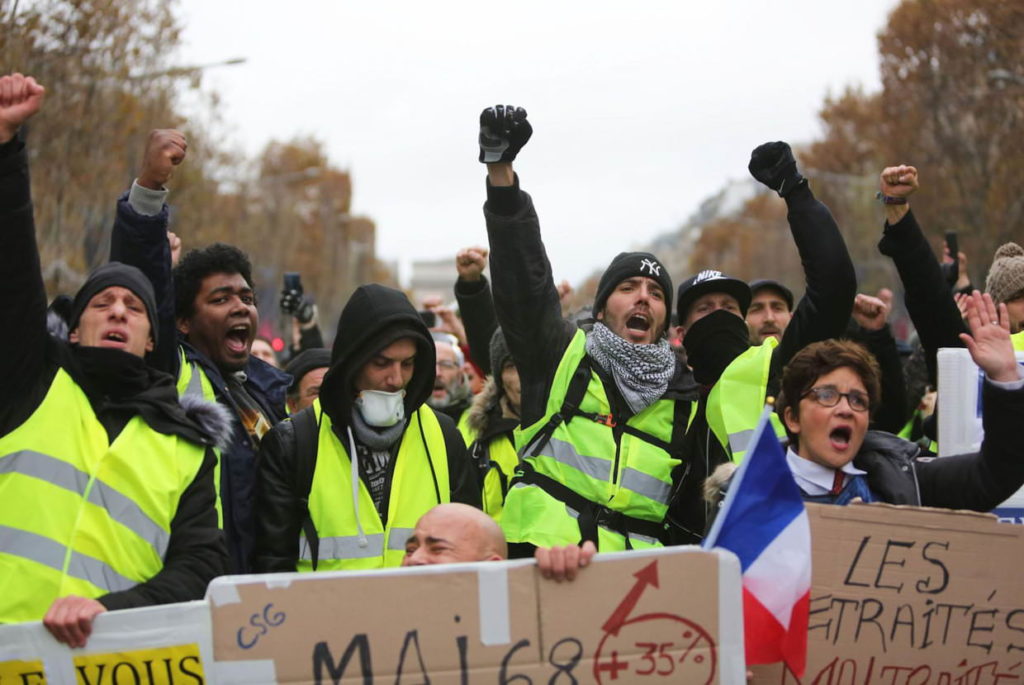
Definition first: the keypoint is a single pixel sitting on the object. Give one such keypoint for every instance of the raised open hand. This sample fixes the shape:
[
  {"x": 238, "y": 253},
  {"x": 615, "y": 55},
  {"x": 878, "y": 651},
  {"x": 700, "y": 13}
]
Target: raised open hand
[{"x": 989, "y": 341}]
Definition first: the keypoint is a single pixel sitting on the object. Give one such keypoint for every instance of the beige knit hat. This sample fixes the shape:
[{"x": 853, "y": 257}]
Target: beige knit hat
[{"x": 1006, "y": 275}]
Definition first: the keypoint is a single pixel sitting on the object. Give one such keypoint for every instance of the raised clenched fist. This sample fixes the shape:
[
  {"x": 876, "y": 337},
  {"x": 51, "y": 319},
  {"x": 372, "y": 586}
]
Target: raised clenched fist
[
  {"x": 471, "y": 262},
  {"x": 20, "y": 98},
  {"x": 898, "y": 181},
  {"x": 504, "y": 131},
  {"x": 165, "y": 149},
  {"x": 870, "y": 312},
  {"x": 773, "y": 164}
]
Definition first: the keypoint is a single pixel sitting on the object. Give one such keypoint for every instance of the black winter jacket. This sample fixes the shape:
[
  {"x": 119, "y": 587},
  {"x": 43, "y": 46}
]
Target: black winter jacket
[
  {"x": 927, "y": 295},
  {"x": 530, "y": 315},
  {"x": 898, "y": 473},
  {"x": 29, "y": 361}
]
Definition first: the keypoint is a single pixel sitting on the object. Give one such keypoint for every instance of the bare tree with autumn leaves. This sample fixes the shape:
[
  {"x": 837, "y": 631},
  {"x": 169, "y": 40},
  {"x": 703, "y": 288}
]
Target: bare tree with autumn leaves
[
  {"x": 109, "y": 77},
  {"x": 951, "y": 103}
]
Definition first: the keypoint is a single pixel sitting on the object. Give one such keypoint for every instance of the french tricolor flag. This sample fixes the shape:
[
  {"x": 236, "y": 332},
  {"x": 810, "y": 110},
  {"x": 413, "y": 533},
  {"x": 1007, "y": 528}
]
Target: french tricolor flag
[{"x": 763, "y": 522}]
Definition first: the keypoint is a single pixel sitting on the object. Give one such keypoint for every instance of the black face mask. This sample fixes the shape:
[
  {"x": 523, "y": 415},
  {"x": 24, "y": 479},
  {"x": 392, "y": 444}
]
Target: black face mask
[{"x": 713, "y": 342}]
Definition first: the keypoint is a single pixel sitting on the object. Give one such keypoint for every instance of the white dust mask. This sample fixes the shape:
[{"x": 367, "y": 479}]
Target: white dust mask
[{"x": 381, "y": 409}]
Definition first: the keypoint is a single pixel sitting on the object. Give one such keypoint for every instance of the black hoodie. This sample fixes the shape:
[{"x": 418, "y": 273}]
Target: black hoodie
[{"x": 374, "y": 317}]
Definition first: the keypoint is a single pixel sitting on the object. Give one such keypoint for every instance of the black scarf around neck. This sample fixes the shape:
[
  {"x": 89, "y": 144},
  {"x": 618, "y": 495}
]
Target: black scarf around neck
[{"x": 119, "y": 383}]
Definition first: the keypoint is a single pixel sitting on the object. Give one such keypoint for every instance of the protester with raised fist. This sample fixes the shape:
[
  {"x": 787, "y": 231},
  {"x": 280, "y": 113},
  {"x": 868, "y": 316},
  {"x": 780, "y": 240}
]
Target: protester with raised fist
[
  {"x": 926, "y": 292},
  {"x": 107, "y": 494},
  {"x": 739, "y": 377},
  {"x": 604, "y": 411},
  {"x": 208, "y": 321}
]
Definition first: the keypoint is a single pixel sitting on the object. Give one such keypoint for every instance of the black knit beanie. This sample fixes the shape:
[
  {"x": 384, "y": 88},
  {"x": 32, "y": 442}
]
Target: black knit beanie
[
  {"x": 115, "y": 274},
  {"x": 304, "y": 362},
  {"x": 630, "y": 264},
  {"x": 500, "y": 354}
]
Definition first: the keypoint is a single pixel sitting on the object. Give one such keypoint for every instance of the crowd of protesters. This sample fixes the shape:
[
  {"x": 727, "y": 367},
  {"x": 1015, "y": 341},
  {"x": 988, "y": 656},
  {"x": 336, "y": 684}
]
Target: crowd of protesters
[{"x": 150, "y": 441}]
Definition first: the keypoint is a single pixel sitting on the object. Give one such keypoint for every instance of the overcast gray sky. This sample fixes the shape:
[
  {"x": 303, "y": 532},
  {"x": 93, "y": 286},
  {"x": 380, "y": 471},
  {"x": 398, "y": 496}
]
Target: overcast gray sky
[{"x": 640, "y": 110}]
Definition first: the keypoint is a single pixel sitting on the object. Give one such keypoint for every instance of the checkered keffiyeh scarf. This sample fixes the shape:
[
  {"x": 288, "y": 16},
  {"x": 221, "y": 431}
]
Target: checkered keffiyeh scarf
[{"x": 641, "y": 372}]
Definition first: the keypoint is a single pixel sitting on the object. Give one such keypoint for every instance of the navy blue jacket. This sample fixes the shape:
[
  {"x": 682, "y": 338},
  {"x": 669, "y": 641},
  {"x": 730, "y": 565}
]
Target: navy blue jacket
[{"x": 141, "y": 241}]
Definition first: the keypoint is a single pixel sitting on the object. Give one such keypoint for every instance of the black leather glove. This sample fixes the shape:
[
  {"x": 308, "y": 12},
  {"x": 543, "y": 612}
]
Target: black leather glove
[
  {"x": 504, "y": 131},
  {"x": 773, "y": 165}
]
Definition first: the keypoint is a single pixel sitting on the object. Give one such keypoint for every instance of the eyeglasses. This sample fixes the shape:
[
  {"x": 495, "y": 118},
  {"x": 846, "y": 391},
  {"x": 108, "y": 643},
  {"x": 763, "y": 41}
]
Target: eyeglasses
[
  {"x": 827, "y": 396},
  {"x": 445, "y": 364}
]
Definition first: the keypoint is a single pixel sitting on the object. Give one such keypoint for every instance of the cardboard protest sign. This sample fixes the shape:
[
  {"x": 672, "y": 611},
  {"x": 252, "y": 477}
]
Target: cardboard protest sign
[
  {"x": 904, "y": 595},
  {"x": 665, "y": 616},
  {"x": 164, "y": 645}
]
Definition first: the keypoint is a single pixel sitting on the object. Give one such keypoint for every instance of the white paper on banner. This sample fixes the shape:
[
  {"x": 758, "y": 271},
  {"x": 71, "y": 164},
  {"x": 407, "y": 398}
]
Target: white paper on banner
[
  {"x": 959, "y": 399},
  {"x": 167, "y": 643},
  {"x": 960, "y": 407}
]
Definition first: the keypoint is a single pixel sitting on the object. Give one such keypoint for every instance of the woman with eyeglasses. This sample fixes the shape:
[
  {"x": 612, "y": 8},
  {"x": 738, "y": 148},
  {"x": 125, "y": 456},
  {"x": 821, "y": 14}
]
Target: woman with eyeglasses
[{"x": 828, "y": 391}]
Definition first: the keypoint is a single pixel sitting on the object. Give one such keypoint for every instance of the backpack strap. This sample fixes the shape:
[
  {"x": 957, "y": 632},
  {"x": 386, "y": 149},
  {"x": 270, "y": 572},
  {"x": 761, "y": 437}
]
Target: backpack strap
[
  {"x": 307, "y": 435},
  {"x": 570, "y": 407}
]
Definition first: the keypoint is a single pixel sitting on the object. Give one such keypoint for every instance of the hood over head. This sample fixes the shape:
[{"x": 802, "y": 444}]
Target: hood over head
[{"x": 374, "y": 317}]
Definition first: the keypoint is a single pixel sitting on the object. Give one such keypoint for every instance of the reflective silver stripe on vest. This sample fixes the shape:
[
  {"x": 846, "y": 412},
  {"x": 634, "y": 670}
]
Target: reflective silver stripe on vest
[
  {"x": 637, "y": 481},
  {"x": 47, "y": 552},
  {"x": 646, "y": 485},
  {"x": 195, "y": 382},
  {"x": 120, "y": 508},
  {"x": 740, "y": 440},
  {"x": 398, "y": 538},
  {"x": 345, "y": 547},
  {"x": 565, "y": 453}
]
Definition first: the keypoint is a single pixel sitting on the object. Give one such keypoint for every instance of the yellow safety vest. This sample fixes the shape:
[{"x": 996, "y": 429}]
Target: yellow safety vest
[
  {"x": 501, "y": 452},
  {"x": 467, "y": 433},
  {"x": 80, "y": 515},
  {"x": 194, "y": 382},
  {"x": 580, "y": 468},
  {"x": 419, "y": 482},
  {"x": 737, "y": 400},
  {"x": 1018, "y": 341}
]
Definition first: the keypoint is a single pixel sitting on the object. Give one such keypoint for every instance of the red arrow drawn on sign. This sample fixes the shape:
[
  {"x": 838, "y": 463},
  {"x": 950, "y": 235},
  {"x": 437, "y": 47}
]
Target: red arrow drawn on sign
[{"x": 648, "y": 575}]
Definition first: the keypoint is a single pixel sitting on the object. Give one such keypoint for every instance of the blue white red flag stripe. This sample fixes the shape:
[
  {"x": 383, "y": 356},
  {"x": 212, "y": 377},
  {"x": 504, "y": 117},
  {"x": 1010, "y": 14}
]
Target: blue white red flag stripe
[{"x": 763, "y": 521}]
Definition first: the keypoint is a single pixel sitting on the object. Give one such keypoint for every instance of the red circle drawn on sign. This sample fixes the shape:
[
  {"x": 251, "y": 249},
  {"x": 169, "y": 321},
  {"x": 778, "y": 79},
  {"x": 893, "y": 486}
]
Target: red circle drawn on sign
[{"x": 693, "y": 655}]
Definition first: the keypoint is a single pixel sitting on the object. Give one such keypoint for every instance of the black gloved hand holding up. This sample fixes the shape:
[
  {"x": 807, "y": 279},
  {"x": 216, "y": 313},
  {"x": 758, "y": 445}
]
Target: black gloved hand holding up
[
  {"x": 295, "y": 303},
  {"x": 773, "y": 165},
  {"x": 291, "y": 300},
  {"x": 504, "y": 130}
]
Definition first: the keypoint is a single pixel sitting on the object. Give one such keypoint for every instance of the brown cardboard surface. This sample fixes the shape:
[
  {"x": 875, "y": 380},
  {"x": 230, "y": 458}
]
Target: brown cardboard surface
[
  {"x": 638, "y": 619},
  {"x": 905, "y": 595},
  {"x": 645, "y": 617},
  {"x": 386, "y": 621}
]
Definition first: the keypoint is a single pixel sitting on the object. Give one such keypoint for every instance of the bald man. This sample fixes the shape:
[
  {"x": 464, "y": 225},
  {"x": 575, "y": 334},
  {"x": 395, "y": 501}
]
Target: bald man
[{"x": 453, "y": 533}]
